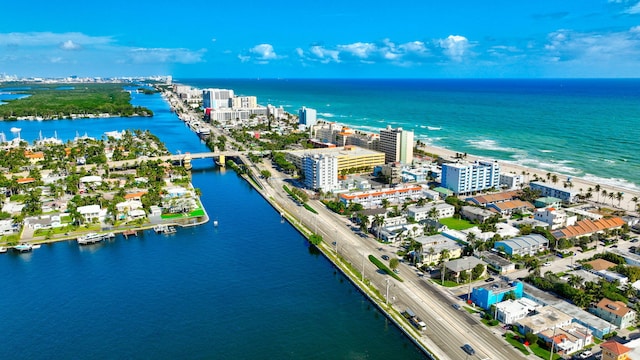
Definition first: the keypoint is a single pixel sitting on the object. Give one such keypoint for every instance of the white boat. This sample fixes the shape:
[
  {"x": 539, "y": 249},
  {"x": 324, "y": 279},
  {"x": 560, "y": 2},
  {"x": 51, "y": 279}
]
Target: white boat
[
  {"x": 90, "y": 238},
  {"x": 169, "y": 230},
  {"x": 160, "y": 228},
  {"x": 3, "y": 249},
  {"x": 23, "y": 247},
  {"x": 215, "y": 222}
]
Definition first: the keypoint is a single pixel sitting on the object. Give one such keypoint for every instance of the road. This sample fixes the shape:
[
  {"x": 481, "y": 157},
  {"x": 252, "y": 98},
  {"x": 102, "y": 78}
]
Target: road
[{"x": 448, "y": 329}]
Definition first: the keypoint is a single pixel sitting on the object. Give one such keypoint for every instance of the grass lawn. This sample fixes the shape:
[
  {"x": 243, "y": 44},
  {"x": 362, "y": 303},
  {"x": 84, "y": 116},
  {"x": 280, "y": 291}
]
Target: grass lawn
[
  {"x": 542, "y": 353},
  {"x": 456, "y": 224},
  {"x": 516, "y": 343},
  {"x": 447, "y": 283},
  {"x": 470, "y": 310}
]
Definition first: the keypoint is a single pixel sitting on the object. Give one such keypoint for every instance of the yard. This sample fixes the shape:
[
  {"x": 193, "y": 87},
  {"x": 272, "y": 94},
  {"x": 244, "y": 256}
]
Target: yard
[{"x": 456, "y": 224}]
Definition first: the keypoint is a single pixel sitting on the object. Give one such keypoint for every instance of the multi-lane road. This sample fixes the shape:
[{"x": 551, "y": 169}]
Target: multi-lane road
[{"x": 447, "y": 330}]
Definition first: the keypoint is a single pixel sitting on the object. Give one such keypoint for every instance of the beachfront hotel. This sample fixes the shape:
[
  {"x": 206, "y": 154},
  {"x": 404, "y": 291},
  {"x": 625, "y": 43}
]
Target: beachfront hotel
[
  {"x": 349, "y": 157},
  {"x": 216, "y": 98},
  {"x": 307, "y": 117},
  {"x": 320, "y": 172},
  {"x": 397, "y": 145},
  {"x": 466, "y": 178}
]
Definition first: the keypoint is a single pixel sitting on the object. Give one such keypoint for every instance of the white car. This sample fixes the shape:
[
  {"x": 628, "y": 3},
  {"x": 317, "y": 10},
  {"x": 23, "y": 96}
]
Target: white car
[
  {"x": 586, "y": 354},
  {"x": 546, "y": 264}
]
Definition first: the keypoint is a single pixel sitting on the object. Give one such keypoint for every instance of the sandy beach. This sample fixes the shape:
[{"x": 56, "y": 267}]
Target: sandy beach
[{"x": 578, "y": 183}]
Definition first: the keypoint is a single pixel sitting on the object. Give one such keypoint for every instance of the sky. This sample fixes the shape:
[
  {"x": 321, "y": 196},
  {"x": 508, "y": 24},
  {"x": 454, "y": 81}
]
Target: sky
[{"x": 322, "y": 39}]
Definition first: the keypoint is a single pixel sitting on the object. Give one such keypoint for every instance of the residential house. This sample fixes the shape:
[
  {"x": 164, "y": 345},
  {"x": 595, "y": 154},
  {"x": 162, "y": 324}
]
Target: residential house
[
  {"x": 440, "y": 211},
  {"x": 473, "y": 213},
  {"x": 528, "y": 244},
  {"x": 453, "y": 268},
  {"x": 588, "y": 227},
  {"x": 494, "y": 198},
  {"x": 613, "y": 350},
  {"x": 90, "y": 213},
  {"x": 507, "y": 208},
  {"x": 568, "y": 339},
  {"x": 546, "y": 317},
  {"x": 433, "y": 245},
  {"x": 497, "y": 262},
  {"x": 554, "y": 218},
  {"x": 510, "y": 311},
  {"x": 615, "y": 312}
]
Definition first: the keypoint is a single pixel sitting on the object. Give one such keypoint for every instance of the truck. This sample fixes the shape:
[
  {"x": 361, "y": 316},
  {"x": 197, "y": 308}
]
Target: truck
[{"x": 414, "y": 320}]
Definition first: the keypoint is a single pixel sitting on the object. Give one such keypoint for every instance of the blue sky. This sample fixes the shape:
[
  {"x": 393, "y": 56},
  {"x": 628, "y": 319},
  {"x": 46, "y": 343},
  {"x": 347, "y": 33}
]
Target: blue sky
[{"x": 333, "y": 39}]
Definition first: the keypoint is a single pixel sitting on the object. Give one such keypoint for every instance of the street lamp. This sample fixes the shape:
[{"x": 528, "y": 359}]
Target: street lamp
[{"x": 387, "y": 297}]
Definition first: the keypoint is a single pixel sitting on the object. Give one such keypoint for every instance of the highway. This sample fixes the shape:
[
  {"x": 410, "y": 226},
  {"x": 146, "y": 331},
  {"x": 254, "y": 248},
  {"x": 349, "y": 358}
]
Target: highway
[{"x": 447, "y": 330}]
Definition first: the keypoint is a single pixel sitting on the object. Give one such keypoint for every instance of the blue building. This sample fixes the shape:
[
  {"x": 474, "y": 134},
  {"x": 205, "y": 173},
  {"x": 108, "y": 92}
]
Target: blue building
[
  {"x": 493, "y": 293},
  {"x": 523, "y": 245},
  {"x": 307, "y": 117},
  {"x": 548, "y": 190}
]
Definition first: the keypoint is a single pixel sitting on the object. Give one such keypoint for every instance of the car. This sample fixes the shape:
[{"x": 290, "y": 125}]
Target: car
[
  {"x": 489, "y": 279},
  {"x": 635, "y": 240},
  {"x": 456, "y": 306},
  {"x": 546, "y": 264},
  {"x": 396, "y": 271},
  {"x": 468, "y": 349},
  {"x": 385, "y": 257},
  {"x": 585, "y": 354},
  {"x": 614, "y": 246}
]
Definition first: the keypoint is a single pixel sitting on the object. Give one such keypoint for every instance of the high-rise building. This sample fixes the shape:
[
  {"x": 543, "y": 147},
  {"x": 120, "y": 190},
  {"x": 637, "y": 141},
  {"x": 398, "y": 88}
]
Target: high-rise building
[
  {"x": 465, "y": 178},
  {"x": 397, "y": 144},
  {"x": 320, "y": 171},
  {"x": 216, "y": 98},
  {"x": 307, "y": 117},
  {"x": 244, "y": 102}
]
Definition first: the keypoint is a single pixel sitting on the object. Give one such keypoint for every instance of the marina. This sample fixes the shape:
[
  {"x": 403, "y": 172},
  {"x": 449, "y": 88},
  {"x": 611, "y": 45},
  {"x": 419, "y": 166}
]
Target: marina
[{"x": 92, "y": 238}]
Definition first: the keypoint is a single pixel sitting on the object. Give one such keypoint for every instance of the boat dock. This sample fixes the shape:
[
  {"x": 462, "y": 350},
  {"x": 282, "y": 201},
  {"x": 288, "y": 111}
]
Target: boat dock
[
  {"x": 92, "y": 238},
  {"x": 128, "y": 233}
]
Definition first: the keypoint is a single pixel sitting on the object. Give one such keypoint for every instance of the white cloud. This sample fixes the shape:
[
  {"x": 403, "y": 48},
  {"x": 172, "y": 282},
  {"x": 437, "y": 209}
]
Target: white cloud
[
  {"x": 264, "y": 52},
  {"x": 165, "y": 55},
  {"x": 325, "y": 55},
  {"x": 30, "y": 39},
  {"x": 70, "y": 45},
  {"x": 635, "y": 9},
  {"x": 454, "y": 46},
  {"x": 566, "y": 45},
  {"x": 300, "y": 52},
  {"x": 244, "y": 58},
  {"x": 359, "y": 49}
]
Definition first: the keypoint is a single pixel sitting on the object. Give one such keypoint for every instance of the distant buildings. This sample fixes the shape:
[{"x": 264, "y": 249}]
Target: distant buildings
[
  {"x": 397, "y": 145},
  {"x": 307, "y": 117},
  {"x": 440, "y": 211},
  {"x": 373, "y": 198},
  {"x": 466, "y": 178},
  {"x": 350, "y": 158}
]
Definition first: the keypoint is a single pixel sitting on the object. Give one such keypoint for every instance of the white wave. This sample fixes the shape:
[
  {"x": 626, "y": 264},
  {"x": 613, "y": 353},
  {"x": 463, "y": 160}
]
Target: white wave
[
  {"x": 553, "y": 166},
  {"x": 546, "y": 151},
  {"x": 490, "y": 145},
  {"x": 609, "y": 161},
  {"x": 434, "y": 128},
  {"x": 423, "y": 126},
  {"x": 326, "y": 114},
  {"x": 613, "y": 182}
]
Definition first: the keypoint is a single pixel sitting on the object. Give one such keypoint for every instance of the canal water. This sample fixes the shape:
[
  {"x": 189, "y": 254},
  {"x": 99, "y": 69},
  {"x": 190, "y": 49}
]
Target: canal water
[{"x": 249, "y": 288}]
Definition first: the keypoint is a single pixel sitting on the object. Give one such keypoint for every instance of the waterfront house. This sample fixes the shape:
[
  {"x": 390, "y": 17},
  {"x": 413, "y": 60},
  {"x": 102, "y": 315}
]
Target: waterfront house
[
  {"x": 615, "y": 312},
  {"x": 8, "y": 227},
  {"x": 90, "y": 213},
  {"x": 43, "y": 222}
]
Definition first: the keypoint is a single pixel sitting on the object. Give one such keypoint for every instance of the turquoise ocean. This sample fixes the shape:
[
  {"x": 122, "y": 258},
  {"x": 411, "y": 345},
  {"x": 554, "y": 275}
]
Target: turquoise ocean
[{"x": 588, "y": 128}]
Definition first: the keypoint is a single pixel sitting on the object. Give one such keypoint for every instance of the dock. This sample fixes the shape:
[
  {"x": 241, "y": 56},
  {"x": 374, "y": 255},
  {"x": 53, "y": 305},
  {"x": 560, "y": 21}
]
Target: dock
[{"x": 128, "y": 233}]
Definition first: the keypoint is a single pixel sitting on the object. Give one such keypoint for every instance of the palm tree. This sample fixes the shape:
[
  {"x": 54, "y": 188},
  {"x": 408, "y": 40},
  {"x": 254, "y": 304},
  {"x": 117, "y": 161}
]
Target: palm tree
[
  {"x": 444, "y": 255},
  {"x": 619, "y": 197},
  {"x": 554, "y": 178},
  {"x": 604, "y": 194},
  {"x": 597, "y": 190},
  {"x": 378, "y": 220},
  {"x": 612, "y": 196},
  {"x": 534, "y": 267},
  {"x": 575, "y": 281},
  {"x": 635, "y": 200}
]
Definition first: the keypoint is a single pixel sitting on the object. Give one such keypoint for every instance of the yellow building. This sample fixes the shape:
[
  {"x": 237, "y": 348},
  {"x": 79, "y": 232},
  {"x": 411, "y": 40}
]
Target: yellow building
[
  {"x": 350, "y": 158},
  {"x": 613, "y": 350}
]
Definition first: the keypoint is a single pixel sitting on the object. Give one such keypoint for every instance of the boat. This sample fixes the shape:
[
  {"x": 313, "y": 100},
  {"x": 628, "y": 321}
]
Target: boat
[
  {"x": 160, "y": 228},
  {"x": 90, "y": 238},
  {"x": 215, "y": 222},
  {"x": 3, "y": 249},
  {"x": 23, "y": 247},
  {"x": 169, "y": 230},
  {"x": 434, "y": 128}
]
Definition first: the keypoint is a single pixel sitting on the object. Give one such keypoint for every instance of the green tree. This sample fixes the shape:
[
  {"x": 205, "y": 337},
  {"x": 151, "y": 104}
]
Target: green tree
[
  {"x": 477, "y": 271},
  {"x": 394, "y": 263}
]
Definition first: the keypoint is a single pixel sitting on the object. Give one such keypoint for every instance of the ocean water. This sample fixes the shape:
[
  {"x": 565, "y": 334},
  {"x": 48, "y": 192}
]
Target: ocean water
[
  {"x": 579, "y": 127},
  {"x": 249, "y": 288}
]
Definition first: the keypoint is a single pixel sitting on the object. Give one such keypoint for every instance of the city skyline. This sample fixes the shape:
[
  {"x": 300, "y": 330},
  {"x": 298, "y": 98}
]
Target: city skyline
[{"x": 286, "y": 39}]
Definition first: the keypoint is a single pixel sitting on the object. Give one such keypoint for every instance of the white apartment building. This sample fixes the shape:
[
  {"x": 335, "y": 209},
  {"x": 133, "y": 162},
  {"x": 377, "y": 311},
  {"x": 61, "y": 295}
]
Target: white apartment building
[
  {"x": 320, "y": 172},
  {"x": 244, "y": 102},
  {"x": 442, "y": 210},
  {"x": 373, "y": 198},
  {"x": 511, "y": 181},
  {"x": 397, "y": 145},
  {"x": 466, "y": 178},
  {"x": 307, "y": 117},
  {"x": 216, "y": 98},
  {"x": 555, "y": 218}
]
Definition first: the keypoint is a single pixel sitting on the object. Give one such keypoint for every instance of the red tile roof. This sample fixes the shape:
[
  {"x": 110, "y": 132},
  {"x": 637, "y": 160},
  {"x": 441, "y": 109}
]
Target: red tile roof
[
  {"x": 615, "y": 347},
  {"x": 586, "y": 227}
]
